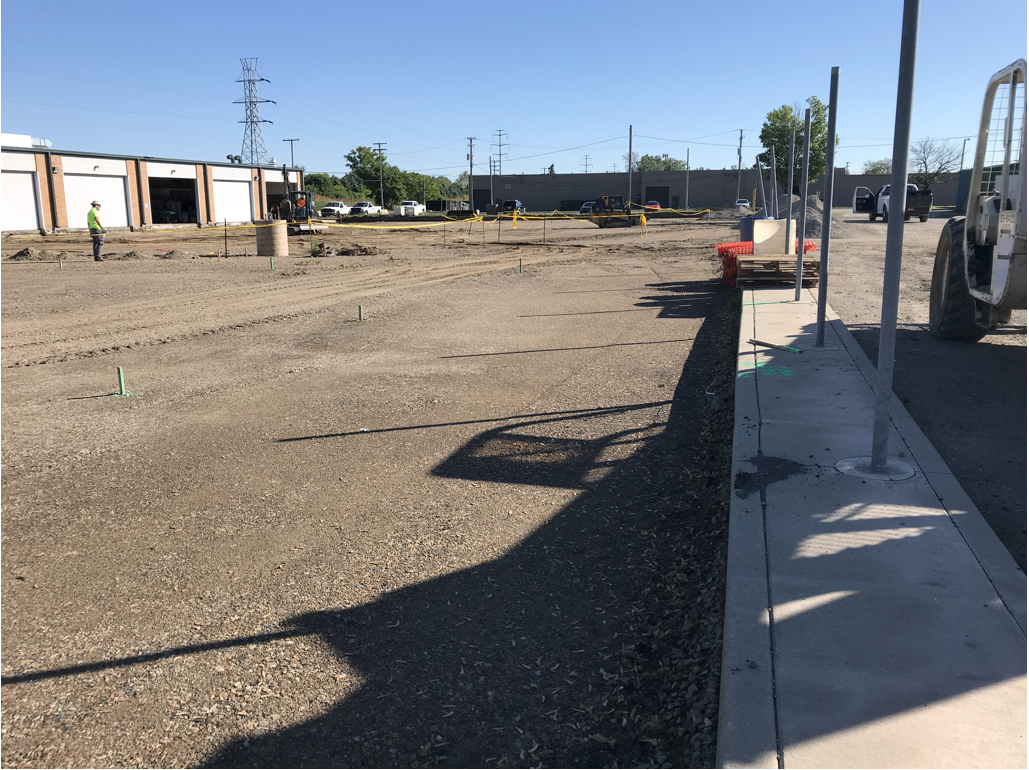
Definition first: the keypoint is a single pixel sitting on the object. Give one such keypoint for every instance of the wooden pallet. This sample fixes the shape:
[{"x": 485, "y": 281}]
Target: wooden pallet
[{"x": 772, "y": 269}]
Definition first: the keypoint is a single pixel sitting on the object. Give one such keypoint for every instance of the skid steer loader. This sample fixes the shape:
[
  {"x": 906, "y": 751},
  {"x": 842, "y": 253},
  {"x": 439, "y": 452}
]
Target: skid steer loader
[{"x": 980, "y": 270}]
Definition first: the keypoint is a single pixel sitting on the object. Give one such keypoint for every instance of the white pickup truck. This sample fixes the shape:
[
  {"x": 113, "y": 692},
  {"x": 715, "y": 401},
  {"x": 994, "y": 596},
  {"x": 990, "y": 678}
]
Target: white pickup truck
[
  {"x": 918, "y": 204},
  {"x": 365, "y": 207},
  {"x": 408, "y": 209}
]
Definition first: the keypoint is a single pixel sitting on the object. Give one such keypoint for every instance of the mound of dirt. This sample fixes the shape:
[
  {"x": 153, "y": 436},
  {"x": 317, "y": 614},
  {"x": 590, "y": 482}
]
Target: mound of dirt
[
  {"x": 135, "y": 254},
  {"x": 725, "y": 215},
  {"x": 178, "y": 254},
  {"x": 813, "y": 224},
  {"x": 37, "y": 255},
  {"x": 357, "y": 251}
]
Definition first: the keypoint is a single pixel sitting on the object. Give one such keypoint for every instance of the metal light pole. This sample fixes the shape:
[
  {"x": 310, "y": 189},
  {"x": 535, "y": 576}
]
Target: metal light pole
[
  {"x": 775, "y": 188},
  {"x": 895, "y": 236},
  {"x": 789, "y": 190},
  {"x": 802, "y": 225},
  {"x": 739, "y": 166},
  {"x": 830, "y": 177},
  {"x": 687, "y": 178},
  {"x": 629, "y": 164},
  {"x": 471, "y": 185},
  {"x": 761, "y": 183}
]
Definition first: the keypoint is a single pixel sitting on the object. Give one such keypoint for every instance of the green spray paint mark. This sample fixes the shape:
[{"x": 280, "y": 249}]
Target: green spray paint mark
[{"x": 765, "y": 370}]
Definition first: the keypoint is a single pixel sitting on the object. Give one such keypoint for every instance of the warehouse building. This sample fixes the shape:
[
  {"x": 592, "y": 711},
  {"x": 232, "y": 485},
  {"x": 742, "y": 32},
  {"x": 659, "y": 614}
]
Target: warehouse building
[{"x": 47, "y": 190}]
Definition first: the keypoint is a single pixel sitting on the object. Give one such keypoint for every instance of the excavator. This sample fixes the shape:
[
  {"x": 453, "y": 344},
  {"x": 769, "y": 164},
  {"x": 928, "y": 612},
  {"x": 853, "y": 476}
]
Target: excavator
[{"x": 979, "y": 275}]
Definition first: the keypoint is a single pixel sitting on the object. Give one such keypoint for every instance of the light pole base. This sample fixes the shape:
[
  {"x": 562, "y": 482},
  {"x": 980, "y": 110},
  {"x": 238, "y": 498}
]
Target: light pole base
[{"x": 895, "y": 470}]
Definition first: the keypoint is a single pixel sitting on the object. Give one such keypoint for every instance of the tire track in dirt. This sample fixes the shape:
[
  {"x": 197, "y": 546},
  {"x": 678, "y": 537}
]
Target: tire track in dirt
[{"x": 86, "y": 334}]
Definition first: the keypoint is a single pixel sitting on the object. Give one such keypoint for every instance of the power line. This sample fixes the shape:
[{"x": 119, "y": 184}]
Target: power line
[{"x": 118, "y": 112}]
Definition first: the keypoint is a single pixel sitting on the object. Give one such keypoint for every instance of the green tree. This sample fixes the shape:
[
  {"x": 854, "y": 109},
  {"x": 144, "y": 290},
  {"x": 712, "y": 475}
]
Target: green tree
[
  {"x": 776, "y": 133},
  {"x": 459, "y": 188},
  {"x": 881, "y": 166},
  {"x": 386, "y": 182},
  {"x": 660, "y": 163},
  {"x": 322, "y": 184}
]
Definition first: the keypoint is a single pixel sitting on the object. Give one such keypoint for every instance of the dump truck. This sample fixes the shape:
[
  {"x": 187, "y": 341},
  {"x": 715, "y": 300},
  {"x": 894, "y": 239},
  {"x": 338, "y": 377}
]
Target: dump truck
[
  {"x": 979, "y": 275},
  {"x": 611, "y": 211}
]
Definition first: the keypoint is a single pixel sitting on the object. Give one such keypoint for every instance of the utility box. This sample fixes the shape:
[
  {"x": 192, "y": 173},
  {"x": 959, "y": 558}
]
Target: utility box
[{"x": 770, "y": 237}]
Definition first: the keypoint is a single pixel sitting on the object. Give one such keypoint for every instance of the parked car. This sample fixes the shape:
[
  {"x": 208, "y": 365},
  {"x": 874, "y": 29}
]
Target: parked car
[
  {"x": 587, "y": 207},
  {"x": 514, "y": 206},
  {"x": 742, "y": 202},
  {"x": 408, "y": 209},
  {"x": 365, "y": 207},
  {"x": 335, "y": 209}
]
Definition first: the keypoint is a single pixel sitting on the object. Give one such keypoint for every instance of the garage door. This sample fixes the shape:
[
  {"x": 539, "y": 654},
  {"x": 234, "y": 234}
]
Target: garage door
[
  {"x": 81, "y": 189},
  {"x": 18, "y": 193},
  {"x": 232, "y": 201}
]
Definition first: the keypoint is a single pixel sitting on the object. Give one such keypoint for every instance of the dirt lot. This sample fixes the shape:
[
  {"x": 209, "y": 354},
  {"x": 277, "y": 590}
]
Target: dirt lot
[{"x": 483, "y": 527}]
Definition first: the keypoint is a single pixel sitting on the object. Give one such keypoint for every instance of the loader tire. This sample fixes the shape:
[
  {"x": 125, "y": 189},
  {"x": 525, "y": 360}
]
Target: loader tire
[{"x": 951, "y": 307}]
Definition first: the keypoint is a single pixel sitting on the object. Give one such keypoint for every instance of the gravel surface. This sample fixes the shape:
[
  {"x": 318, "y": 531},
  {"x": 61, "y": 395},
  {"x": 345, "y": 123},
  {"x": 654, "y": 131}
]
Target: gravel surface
[{"x": 485, "y": 527}]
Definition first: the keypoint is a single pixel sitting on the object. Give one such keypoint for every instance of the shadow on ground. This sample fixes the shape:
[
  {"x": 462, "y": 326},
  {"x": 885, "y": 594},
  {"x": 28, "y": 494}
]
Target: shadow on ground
[
  {"x": 969, "y": 400},
  {"x": 543, "y": 654}
]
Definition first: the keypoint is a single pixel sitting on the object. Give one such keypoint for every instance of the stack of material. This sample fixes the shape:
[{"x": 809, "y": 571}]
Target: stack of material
[{"x": 740, "y": 267}]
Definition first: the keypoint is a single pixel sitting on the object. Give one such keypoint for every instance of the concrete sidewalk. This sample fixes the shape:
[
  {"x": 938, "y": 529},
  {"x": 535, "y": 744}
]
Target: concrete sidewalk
[{"x": 868, "y": 623}]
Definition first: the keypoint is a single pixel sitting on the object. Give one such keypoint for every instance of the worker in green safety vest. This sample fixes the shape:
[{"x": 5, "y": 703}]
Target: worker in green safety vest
[{"x": 96, "y": 230}]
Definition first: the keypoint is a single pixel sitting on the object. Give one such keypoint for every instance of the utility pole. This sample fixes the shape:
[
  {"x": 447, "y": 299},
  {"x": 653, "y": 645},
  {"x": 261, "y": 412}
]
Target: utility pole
[
  {"x": 291, "y": 149},
  {"x": 379, "y": 146},
  {"x": 739, "y": 166},
  {"x": 471, "y": 171},
  {"x": 491, "y": 199},
  {"x": 629, "y": 164},
  {"x": 586, "y": 163},
  {"x": 963, "y": 142}
]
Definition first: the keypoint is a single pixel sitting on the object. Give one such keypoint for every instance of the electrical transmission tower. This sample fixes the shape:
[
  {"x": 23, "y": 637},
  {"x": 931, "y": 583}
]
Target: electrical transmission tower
[
  {"x": 253, "y": 143},
  {"x": 500, "y": 144},
  {"x": 586, "y": 163}
]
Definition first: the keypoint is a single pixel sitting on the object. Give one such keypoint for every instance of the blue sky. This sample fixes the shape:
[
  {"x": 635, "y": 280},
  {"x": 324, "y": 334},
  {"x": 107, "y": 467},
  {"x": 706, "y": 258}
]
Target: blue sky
[{"x": 563, "y": 80}]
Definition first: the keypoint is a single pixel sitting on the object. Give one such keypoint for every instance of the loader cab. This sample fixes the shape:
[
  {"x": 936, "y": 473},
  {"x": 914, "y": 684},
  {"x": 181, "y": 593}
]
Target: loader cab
[{"x": 864, "y": 201}]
